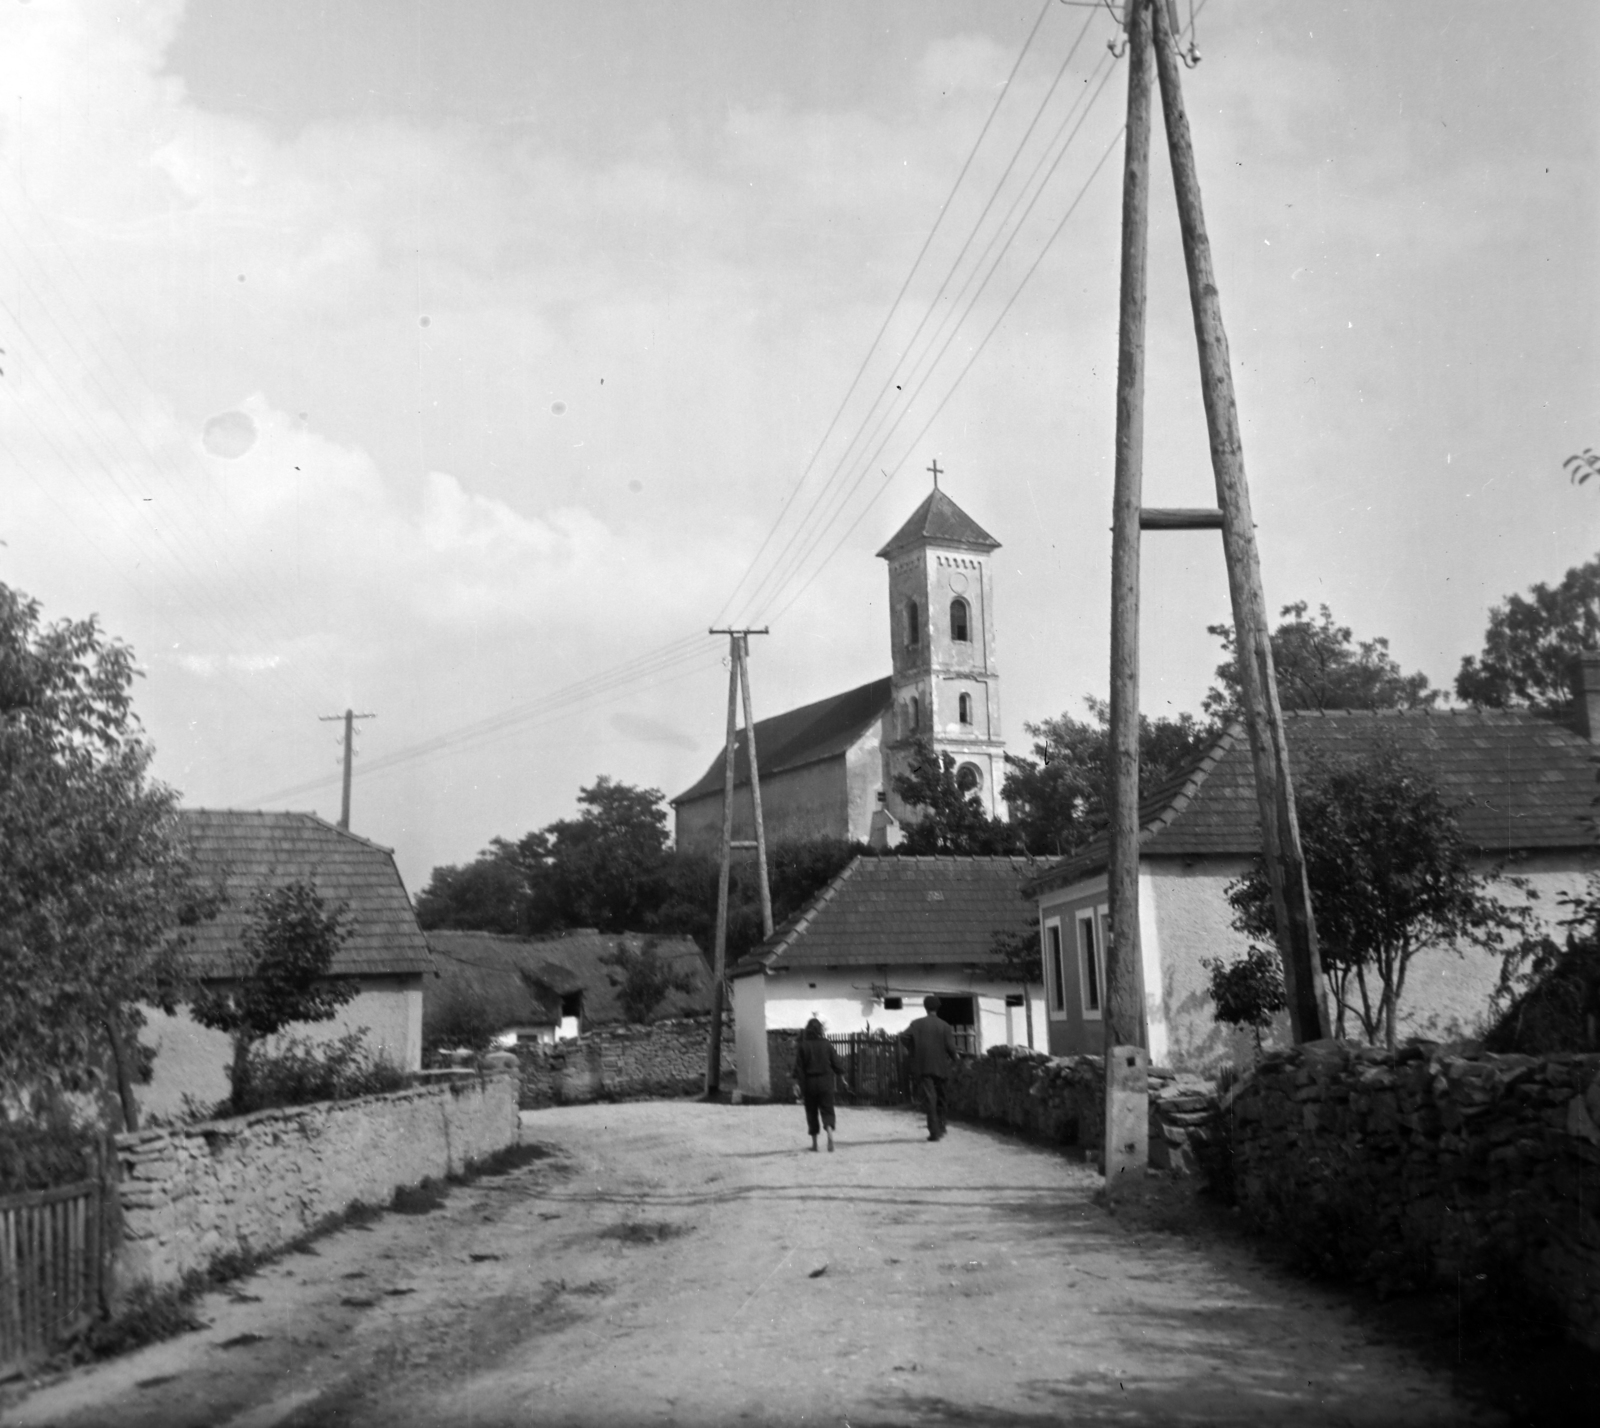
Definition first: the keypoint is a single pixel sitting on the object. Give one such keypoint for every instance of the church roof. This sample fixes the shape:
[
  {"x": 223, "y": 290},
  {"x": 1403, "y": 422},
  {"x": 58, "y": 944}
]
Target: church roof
[
  {"x": 939, "y": 521},
  {"x": 899, "y": 910},
  {"x": 801, "y": 736},
  {"x": 1518, "y": 781}
]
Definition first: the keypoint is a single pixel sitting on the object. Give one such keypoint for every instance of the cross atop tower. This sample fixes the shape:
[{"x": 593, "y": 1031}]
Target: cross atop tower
[{"x": 935, "y": 469}]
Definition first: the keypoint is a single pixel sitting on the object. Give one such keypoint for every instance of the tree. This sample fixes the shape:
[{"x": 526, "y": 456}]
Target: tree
[
  {"x": 605, "y": 868},
  {"x": 95, "y": 880},
  {"x": 1320, "y": 667},
  {"x": 489, "y": 894},
  {"x": 1058, "y": 797},
  {"x": 281, "y": 977},
  {"x": 1390, "y": 874},
  {"x": 645, "y": 978},
  {"x": 953, "y": 819},
  {"x": 1248, "y": 991},
  {"x": 1531, "y": 643},
  {"x": 1550, "y": 989}
]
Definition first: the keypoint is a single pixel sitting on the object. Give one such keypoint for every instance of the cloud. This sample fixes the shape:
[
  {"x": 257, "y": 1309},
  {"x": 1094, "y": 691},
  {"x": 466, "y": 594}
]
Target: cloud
[{"x": 653, "y": 731}]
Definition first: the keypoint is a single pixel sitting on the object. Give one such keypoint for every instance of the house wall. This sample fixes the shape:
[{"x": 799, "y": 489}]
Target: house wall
[
  {"x": 1074, "y": 1028},
  {"x": 797, "y": 804},
  {"x": 851, "y": 1000},
  {"x": 192, "y": 1059},
  {"x": 1185, "y": 918}
]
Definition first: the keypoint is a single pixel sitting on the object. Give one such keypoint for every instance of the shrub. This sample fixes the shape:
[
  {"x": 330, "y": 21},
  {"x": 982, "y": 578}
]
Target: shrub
[
  {"x": 296, "y": 1071},
  {"x": 1247, "y": 991},
  {"x": 40, "y": 1157}
]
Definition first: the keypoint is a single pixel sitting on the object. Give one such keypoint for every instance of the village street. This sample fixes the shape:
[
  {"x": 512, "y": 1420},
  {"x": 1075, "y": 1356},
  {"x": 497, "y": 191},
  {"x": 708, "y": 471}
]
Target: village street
[{"x": 669, "y": 1262}]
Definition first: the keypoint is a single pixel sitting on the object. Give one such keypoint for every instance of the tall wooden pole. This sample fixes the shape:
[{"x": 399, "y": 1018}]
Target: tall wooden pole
[
  {"x": 1124, "y": 1013},
  {"x": 349, "y": 717},
  {"x": 720, "y": 958},
  {"x": 742, "y": 659},
  {"x": 1280, "y": 831}
]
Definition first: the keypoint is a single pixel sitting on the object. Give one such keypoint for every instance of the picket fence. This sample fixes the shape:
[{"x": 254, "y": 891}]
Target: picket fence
[{"x": 52, "y": 1270}]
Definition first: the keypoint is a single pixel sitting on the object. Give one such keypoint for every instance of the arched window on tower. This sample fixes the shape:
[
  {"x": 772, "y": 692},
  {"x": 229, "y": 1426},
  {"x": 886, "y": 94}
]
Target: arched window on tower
[
  {"x": 916, "y": 715},
  {"x": 969, "y": 778},
  {"x": 913, "y": 624},
  {"x": 958, "y": 621},
  {"x": 964, "y": 708}
]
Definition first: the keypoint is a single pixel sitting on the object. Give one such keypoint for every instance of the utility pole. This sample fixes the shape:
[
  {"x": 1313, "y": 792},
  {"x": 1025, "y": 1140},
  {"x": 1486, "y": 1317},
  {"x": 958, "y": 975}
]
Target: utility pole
[
  {"x": 1126, "y": 1038},
  {"x": 349, "y": 717},
  {"x": 738, "y": 679},
  {"x": 1269, "y": 752}
]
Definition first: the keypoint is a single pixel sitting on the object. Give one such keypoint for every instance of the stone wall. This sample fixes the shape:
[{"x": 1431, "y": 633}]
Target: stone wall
[
  {"x": 253, "y": 1183},
  {"x": 1061, "y": 1100},
  {"x": 665, "y": 1058},
  {"x": 1481, "y": 1172}
]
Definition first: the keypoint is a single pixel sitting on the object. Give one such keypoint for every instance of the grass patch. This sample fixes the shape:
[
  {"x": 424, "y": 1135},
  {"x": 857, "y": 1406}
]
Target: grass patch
[
  {"x": 148, "y": 1316},
  {"x": 420, "y": 1199}
]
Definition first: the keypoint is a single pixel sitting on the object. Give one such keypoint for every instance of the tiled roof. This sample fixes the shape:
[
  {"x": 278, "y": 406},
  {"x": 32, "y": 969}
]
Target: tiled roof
[
  {"x": 524, "y": 978},
  {"x": 1517, "y": 780},
  {"x": 243, "y": 851},
  {"x": 940, "y": 521},
  {"x": 802, "y": 736},
  {"x": 902, "y": 910}
]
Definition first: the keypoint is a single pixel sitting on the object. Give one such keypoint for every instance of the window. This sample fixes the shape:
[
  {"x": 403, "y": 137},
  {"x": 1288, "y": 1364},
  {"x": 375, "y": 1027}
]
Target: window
[
  {"x": 1092, "y": 926},
  {"x": 964, "y": 708},
  {"x": 1055, "y": 969},
  {"x": 893, "y": 1003},
  {"x": 915, "y": 710},
  {"x": 969, "y": 777},
  {"x": 958, "y": 621},
  {"x": 913, "y": 624}
]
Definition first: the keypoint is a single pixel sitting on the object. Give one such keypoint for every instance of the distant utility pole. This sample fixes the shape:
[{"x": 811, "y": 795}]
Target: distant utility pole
[
  {"x": 1152, "y": 27},
  {"x": 349, "y": 717},
  {"x": 738, "y": 681}
]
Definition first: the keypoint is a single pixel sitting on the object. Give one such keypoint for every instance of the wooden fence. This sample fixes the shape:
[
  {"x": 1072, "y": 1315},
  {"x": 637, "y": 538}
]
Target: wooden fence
[
  {"x": 51, "y": 1269},
  {"x": 875, "y": 1067}
]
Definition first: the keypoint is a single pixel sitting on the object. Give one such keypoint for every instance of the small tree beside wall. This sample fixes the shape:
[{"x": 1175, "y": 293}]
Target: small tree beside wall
[{"x": 289, "y": 944}]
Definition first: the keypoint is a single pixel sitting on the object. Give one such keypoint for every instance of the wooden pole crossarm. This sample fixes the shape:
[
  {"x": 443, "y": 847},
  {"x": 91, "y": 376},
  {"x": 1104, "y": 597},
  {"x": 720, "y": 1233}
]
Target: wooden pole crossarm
[{"x": 1179, "y": 518}]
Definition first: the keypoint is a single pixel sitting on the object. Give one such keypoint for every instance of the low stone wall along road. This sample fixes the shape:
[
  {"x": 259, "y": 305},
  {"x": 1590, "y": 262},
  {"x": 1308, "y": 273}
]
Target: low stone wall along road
[{"x": 676, "y": 1263}]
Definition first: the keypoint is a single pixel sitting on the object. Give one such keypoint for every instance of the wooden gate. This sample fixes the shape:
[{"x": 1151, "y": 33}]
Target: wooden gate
[
  {"x": 50, "y": 1269},
  {"x": 875, "y": 1067}
]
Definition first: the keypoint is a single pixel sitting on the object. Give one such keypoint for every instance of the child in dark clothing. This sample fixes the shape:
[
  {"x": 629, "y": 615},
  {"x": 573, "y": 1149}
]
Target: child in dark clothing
[{"x": 816, "y": 1063}]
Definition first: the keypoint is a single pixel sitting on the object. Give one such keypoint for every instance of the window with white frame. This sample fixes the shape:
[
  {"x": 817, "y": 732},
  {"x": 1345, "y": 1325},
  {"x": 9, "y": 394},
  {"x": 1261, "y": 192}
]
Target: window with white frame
[
  {"x": 1055, "y": 968},
  {"x": 1093, "y": 924}
]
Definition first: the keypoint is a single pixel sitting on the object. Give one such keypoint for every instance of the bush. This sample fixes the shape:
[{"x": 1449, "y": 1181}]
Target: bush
[
  {"x": 296, "y": 1071},
  {"x": 40, "y": 1157}
]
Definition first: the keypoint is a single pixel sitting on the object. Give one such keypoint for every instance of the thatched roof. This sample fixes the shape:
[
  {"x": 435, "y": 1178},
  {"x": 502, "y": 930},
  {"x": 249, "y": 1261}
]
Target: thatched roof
[{"x": 525, "y": 978}]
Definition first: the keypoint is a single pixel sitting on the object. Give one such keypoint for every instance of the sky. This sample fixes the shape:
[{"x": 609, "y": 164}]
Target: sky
[{"x": 462, "y": 362}]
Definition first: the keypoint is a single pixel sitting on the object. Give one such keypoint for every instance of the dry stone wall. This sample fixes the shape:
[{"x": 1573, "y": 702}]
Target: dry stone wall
[
  {"x": 665, "y": 1058},
  {"x": 1061, "y": 1100},
  {"x": 252, "y": 1184},
  {"x": 1478, "y": 1171}
]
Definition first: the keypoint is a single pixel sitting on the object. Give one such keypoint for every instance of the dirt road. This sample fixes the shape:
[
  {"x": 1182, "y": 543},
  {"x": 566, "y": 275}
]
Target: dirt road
[{"x": 672, "y": 1263}]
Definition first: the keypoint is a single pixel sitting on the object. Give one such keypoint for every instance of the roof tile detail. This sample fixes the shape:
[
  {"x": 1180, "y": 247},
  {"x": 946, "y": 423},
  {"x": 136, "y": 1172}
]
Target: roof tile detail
[
  {"x": 902, "y": 910},
  {"x": 245, "y": 850},
  {"x": 1518, "y": 781}
]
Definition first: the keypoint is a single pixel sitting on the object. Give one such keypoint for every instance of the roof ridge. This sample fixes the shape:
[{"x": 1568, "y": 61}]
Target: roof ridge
[
  {"x": 316, "y": 818},
  {"x": 808, "y": 912}
]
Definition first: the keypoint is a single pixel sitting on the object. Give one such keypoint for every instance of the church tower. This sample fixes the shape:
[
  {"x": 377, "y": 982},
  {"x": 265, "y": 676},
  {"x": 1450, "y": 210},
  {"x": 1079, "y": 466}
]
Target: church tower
[{"x": 946, "y": 686}]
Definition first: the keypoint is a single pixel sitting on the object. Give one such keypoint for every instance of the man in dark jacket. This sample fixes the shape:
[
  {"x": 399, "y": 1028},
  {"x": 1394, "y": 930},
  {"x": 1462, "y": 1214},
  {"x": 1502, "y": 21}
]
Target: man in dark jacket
[{"x": 932, "y": 1044}]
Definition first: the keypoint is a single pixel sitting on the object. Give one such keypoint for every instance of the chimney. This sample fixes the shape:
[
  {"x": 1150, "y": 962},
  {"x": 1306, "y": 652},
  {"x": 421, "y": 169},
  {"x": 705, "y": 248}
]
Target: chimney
[{"x": 1586, "y": 685}]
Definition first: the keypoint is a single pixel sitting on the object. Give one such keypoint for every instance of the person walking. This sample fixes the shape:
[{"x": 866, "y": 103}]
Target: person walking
[
  {"x": 932, "y": 1044},
  {"x": 816, "y": 1063}
]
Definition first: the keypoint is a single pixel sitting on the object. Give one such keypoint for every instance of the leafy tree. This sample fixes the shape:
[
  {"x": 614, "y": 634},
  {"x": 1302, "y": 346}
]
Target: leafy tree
[
  {"x": 1531, "y": 642},
  {"x": 95, "y": 881},
  {"x": 952, "y": 819},
  {"x": 1550, "y": 988},
  {"x": 463, "y": 1018},
  {"x": 282, "y": 975},
  {"x": 1390, "y": 873},
  {"x": 489, "y": 894},
  {"x": 1582, "y": 466},
  {"x": 605, "y": 868},
  {"x": 1248, "y": 991},
  {"x": 646, "y": 979},
  {"x": 1320, "y": 666},
  {"x": 1058, "y": 797}
]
